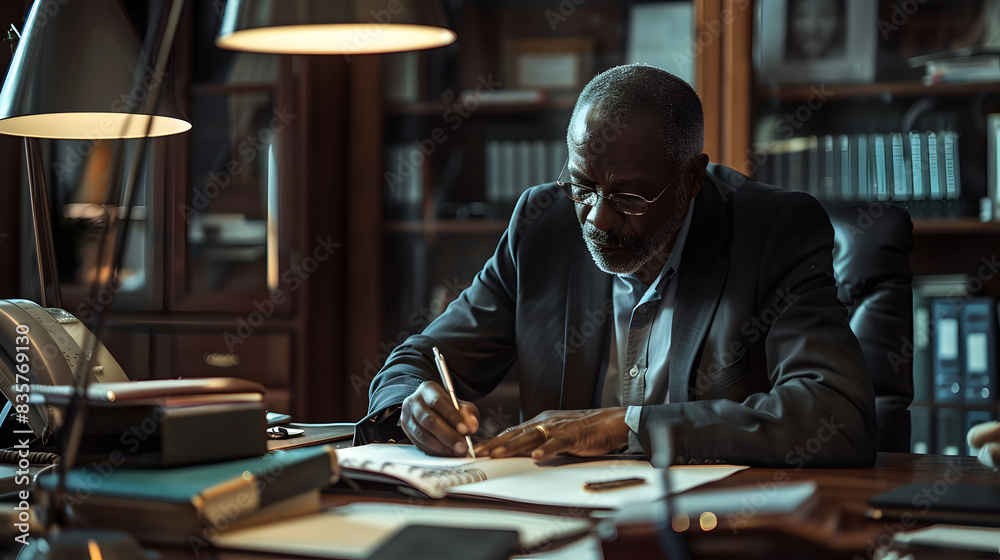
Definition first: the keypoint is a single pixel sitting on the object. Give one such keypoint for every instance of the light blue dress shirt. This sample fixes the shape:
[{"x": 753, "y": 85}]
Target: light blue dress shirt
[{"x": 635, "y": 373}]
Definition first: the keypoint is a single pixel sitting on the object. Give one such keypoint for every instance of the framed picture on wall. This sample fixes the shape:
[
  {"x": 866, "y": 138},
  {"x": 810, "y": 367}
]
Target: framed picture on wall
[
  {"x": 815, "y": 41},
  {"x": 553, "y": 64}
]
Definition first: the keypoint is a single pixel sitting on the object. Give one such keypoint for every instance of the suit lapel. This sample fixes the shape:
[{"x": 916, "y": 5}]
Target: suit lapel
[
  {"x": 701, "y": 278},
  {"x": 586, "y": 331}
]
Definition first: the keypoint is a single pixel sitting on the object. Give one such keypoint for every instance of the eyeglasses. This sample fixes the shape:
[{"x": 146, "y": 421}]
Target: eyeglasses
[{"x": 626, "y": 203}]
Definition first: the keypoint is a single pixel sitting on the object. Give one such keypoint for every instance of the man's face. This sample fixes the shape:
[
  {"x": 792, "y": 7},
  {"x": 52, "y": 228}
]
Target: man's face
[{"x": 625, "y": 157}]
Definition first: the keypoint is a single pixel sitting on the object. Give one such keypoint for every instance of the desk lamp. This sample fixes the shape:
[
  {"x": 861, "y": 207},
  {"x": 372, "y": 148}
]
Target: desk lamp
[
  {"x": 79, "y": 73},
  {"x": 72, "y": 78},
  {"x": 332, "y": 26}
]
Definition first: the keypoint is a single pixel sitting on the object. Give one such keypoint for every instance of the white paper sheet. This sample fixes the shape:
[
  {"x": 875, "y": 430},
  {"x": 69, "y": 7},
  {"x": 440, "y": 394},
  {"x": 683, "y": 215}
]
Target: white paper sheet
[
  {"x": 356, "y": 530},
  {"x": 953, "y": 536},
  {"x": 563, "y": 486}
]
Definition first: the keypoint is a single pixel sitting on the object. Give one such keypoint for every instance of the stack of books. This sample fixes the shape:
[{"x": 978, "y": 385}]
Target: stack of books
[
  {"x": 177, "y": 461},
  {"x": 917, "y": 170},
  {"x": 169, "y": 422},
  {"x": 965, "y": 65}
]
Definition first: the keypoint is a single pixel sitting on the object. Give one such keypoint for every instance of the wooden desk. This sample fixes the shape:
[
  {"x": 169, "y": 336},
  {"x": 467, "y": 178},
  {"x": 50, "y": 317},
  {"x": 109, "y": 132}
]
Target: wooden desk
[{"x": 832, "y": 525}]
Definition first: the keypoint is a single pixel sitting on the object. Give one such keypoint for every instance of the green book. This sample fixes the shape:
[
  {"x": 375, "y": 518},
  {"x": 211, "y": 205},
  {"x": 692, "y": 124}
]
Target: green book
[{"x": 191, "y": 504}]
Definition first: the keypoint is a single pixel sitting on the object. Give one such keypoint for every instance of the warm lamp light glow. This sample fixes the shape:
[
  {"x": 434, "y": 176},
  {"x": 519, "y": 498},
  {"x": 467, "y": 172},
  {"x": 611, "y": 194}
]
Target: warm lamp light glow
[
  {"x": 91, "y": 126},
  {"x": 74, "y": 77},
  {"x": 333, "y": 27},
  {"x": 354, "y": 38}
]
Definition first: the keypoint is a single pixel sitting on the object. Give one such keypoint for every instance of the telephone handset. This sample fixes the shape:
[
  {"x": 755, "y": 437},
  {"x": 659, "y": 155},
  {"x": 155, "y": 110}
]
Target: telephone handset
[{"x": 50, "y": 342}]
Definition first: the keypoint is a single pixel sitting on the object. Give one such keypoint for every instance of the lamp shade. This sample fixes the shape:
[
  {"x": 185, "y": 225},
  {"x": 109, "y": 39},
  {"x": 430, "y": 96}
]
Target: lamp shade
[
  {"x": 73, "y": 77},
  {"x": 332, "y": 26}
]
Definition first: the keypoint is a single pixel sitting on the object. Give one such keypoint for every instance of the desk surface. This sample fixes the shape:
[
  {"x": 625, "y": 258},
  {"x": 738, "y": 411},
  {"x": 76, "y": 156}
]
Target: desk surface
[{"x": 833, "y": 525}]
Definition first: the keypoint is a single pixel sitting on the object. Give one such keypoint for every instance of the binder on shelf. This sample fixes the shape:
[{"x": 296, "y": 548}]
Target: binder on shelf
[
  {"x": 540, "y": 164},
  {"x": 947, "y": 351},
  {"x": 848, "y": 190},
  {"x": 814, "y": 172},
  {"x": 882, "y": 168},
  {"x": 900, "y": 176},
  {"x": 919, "y": 170},
  {"x": 493, "y": 175},
  {"x": 953, "y": 186},
  {"x": 922, "y": 412},
  {"x": 979, "y": 338},
  {"x": 934, "y": 167},
  {"x": 831, "y": 175},
  {"x": 404, "y": 165},
  {"x": 864, "y": 168},
  {"x": 522, "y": 169}
]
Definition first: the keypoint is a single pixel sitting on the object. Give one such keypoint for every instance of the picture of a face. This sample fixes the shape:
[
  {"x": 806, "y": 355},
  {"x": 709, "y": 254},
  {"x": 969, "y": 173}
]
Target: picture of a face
[{"x": 815, "y": 29}]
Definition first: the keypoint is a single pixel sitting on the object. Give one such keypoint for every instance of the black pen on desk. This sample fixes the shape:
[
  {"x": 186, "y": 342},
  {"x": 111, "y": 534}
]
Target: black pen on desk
[
  {"x": 443, "y": 370},
  {"x": 613, "y": 484}
]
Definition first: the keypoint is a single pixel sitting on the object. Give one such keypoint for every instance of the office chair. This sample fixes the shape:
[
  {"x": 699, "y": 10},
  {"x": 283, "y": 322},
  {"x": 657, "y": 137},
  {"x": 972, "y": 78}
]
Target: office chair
[{"x": 871, "y": 262}]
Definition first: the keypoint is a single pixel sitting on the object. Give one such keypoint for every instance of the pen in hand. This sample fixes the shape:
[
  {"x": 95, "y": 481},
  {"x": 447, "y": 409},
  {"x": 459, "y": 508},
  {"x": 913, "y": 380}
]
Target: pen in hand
[{"x": 443, "y": 370}]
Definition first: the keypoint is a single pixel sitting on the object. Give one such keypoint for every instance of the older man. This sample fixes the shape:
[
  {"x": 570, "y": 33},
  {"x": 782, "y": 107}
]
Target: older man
[{"x": 646, "y": 287}]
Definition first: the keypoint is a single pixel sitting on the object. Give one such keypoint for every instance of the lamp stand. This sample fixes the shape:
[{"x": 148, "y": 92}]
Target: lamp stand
[{"x": 48, "y": 276}]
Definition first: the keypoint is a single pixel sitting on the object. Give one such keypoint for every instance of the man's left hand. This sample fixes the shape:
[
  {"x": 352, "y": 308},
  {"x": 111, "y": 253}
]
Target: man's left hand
[{"x": 587, "y": 433}]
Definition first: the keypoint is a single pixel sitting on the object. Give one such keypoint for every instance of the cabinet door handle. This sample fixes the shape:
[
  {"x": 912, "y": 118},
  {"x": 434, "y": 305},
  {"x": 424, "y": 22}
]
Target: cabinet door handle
[{"x": 218, "y": 359}]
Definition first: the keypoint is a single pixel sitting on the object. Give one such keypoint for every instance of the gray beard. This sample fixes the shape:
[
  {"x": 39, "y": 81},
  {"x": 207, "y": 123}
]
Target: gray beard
[{"x": 640, "y": 251}]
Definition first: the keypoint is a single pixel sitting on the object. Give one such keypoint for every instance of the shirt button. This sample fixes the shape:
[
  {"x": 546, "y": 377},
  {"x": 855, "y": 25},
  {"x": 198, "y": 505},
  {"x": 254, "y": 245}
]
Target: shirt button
[
  {"x": 634, "y": 371},
  {"x": 642, "y": 309}
]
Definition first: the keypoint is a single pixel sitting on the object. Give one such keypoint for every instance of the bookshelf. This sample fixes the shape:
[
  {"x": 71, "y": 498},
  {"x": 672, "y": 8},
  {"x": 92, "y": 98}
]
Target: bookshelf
[
  {"x": 892, "y": 89},
  {"x": 950, "y": 251}
]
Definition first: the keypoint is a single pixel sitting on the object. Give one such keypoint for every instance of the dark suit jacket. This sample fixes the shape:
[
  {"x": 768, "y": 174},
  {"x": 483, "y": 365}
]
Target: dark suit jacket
[{"x": 763, "y": 366}]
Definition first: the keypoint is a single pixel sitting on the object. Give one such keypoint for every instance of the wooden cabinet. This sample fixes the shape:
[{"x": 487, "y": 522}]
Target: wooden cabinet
[{"x": 216, "y": 258}]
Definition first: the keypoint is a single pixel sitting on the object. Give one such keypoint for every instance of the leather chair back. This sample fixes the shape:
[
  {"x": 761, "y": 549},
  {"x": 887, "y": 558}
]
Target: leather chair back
[{"x": 871, "y": 262}]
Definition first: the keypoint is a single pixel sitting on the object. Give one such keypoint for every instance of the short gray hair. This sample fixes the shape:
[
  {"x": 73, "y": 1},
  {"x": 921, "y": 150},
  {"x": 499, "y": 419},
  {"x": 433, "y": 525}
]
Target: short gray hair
[{"x": 636, "y": 89}]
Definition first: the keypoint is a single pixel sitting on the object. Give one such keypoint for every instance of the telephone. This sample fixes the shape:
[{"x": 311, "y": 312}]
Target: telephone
[{"x": 50, "y": 342}]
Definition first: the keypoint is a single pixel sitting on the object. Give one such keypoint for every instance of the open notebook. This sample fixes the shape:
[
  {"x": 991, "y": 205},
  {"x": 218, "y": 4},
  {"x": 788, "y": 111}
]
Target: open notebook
[{"x": 520, "y": 479}]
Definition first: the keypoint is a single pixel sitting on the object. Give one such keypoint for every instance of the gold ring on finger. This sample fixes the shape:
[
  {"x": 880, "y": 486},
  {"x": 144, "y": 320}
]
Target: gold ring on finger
[{"x": 544, "y": 430}]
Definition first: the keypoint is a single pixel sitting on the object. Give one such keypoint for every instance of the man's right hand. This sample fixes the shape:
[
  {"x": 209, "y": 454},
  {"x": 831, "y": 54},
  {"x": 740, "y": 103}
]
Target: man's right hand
[{"x": 430, "y": 420}]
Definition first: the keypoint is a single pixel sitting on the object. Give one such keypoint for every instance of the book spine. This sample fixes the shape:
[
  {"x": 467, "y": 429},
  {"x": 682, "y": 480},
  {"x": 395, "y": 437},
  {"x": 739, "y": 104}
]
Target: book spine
[
  {"x": 947, "y": 351},
  {"x": 288, "y": 473},
  {"x": 900, "y": 185},
  {"x": 864, "y": 169},
  {"x": 979, "y": 336}
]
